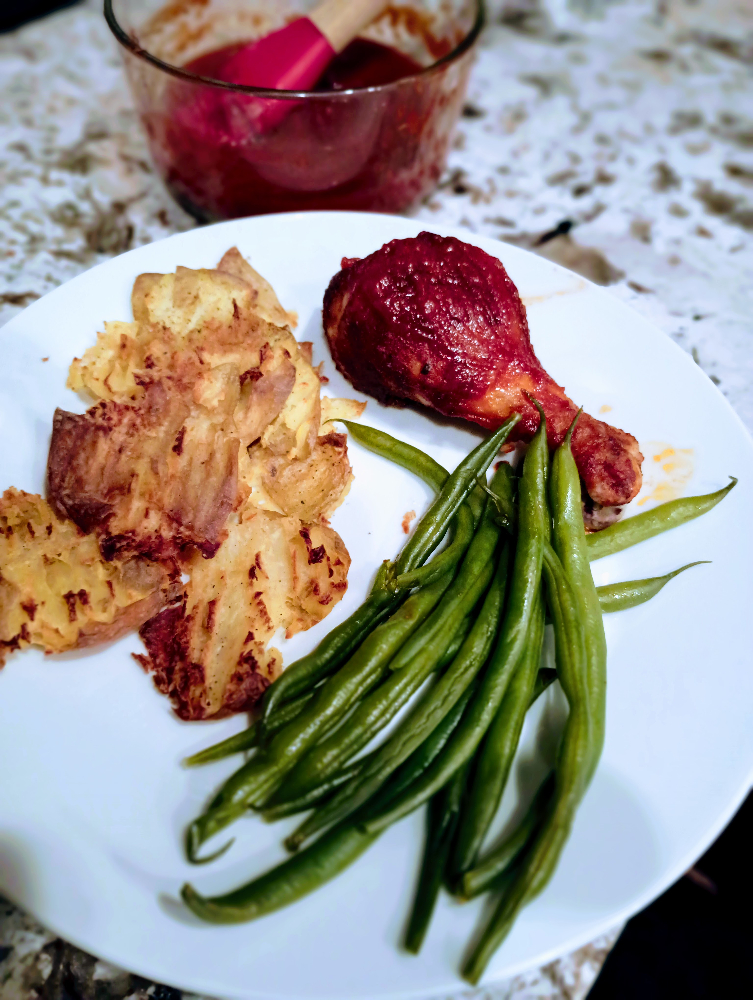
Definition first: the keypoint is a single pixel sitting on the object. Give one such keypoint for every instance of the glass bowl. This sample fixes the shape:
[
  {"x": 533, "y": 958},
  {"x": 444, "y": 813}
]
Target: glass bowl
[{"x": 376, "y": 148}]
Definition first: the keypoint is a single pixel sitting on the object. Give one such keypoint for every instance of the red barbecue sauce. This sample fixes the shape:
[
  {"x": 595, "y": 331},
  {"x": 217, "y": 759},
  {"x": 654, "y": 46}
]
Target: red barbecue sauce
[{"x": 370, "y": 151}]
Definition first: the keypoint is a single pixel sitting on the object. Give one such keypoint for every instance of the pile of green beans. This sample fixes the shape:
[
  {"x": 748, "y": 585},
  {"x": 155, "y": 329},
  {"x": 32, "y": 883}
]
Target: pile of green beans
[{"x": 457, "y": 641}]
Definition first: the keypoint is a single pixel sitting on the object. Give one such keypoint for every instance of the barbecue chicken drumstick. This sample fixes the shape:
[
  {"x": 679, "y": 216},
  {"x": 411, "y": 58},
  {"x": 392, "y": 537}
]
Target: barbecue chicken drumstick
[{"x": 436, "y": 321}]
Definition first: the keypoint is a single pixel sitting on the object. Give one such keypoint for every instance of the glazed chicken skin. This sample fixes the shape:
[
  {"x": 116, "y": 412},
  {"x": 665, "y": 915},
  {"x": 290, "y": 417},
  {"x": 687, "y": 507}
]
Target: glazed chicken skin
[{"x": 436, "y": 321}]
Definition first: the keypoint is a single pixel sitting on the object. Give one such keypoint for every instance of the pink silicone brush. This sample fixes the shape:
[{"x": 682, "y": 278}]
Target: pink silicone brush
[{"x": 294, "y": 57}]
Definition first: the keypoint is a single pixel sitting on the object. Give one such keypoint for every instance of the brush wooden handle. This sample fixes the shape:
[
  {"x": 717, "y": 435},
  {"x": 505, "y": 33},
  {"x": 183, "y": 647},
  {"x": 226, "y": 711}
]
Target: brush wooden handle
[{"x": 341, "y": 20}]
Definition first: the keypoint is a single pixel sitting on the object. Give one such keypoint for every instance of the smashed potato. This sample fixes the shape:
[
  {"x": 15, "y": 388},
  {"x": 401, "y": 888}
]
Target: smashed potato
[
  {"x": 207, "y": 456},
  {"x": 309, "y": 487},
  {"x": 209, "y": 652},
  {"x": 184, "y": 322},
  {"x": 189, "y": 321},
  {"x": 154, "y": 477},
  {"x": 340, "y": 409},
  {"x": 265, "y": 301},
  {"x": 56, "y": 590}
]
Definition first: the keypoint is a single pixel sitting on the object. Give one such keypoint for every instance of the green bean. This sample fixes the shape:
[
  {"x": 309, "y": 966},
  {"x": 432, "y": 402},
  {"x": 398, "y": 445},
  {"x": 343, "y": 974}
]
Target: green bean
[
  {"x": 570, "y": 645},
  {"x": 569, "y": 540},
  {"x": 495, "y": 863},
  {"x": 441, "y": 627},
  {"x": 579, "y": 671},
  {"x": 419, "y": 657},
  {"x": 455, "y": 643},
  {"x": 433, "y": 473},
  {"x": 496, "y": 754},
  {"x": 505, "y": 501},
  {"x": 399, "y": 452},
  {"x": 498, "y": 859},
  {"x": 424, "y": 718},
  {"x": 539, "y": 859},
  {"x": 288, "y": 882},
  {"x": 459, "y": 486},
  {"x": 417, "y": 764},
  {"x": 532, "y": 526},
  {"x": 252, "y": 736},
  {"x": 419, "y": 759},
  {"x": 316, "y": 864},
  {"x": 315, "y": 795},
  {"x": 413, "y": 459},
  {"x": 334, "y": 648},
  {"x": 458, "y": 751},
  {"x": 630, "y": 593},
  {"x": 486, "y": 874},
  {"x": 532, "y": 531},
  {"x": 546, "y": 677},
  {"x": 636, "y": 529},
  {"x": 456, "y": 489},
  {"x": 446, "y": 560},
  {"x": 441, "y": 822},
  {"x": 342, "y": 640},
  {"x": 252, "y": 784},
  {"x": 324, "y": 858},
  {"x": 410, "y": 458},
  {"x": 424, "y": 755},
  {"x": 621, "y": 596},
  {"x": 247, "y": 739}
]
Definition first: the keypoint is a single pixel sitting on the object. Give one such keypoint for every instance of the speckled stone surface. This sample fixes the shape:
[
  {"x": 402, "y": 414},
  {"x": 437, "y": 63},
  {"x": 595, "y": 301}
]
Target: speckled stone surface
[{"x": 615, "y": 138}]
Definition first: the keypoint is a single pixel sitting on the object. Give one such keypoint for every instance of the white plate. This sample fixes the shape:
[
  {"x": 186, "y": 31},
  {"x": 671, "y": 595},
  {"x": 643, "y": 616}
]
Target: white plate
[{"x": 92, "y": 797}]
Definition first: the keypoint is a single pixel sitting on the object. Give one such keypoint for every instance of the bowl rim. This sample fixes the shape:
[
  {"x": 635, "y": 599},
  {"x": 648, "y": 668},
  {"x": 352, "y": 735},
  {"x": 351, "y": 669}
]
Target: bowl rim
[{"x": 132, "y": 46}]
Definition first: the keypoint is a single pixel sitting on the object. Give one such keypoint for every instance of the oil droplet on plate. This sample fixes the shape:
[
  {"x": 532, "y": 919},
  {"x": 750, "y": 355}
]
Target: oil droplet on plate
[
  {"x": 606, "y": 408},
  {"x": 666, "y": 472}
]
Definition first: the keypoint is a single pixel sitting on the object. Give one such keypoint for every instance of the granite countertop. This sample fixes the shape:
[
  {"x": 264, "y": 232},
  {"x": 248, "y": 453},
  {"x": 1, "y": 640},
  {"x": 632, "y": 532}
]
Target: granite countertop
[{"x": 615, "y": 138}]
